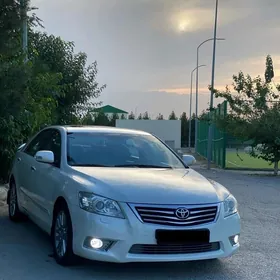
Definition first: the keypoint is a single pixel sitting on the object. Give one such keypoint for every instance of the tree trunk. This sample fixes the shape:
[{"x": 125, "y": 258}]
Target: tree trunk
[{"x": 276, "y": 168}]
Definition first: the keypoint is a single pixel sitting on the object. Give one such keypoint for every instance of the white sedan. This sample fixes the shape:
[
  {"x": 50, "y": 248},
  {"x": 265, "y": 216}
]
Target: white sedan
[{"x": 119, "y": 195}]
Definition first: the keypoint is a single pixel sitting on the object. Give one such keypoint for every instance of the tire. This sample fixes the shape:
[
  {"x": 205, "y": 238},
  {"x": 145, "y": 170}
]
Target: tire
[
  {"x": 14, "y": 213},
  {"x": 62, "y": 236}
]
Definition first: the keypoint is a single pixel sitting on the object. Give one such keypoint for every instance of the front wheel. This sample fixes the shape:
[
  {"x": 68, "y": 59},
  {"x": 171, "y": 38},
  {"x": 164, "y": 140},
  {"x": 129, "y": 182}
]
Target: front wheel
[
  {"x": 62, "y": 237},
  {"x": 14, "y": 213}
]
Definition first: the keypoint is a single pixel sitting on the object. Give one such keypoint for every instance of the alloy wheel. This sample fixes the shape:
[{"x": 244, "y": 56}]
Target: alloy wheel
[{"x": 61, "y": 234}]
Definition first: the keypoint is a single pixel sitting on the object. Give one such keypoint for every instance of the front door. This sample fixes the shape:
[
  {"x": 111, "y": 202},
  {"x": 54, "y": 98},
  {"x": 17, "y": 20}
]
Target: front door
[
  {"x": 46, "y": 178},
  {"x": 26, "y": 161}
]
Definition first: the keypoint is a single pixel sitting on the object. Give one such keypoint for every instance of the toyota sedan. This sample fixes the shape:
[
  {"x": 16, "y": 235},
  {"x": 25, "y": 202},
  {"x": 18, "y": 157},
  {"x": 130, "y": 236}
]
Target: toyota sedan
[{"x": 120, "y": 195}]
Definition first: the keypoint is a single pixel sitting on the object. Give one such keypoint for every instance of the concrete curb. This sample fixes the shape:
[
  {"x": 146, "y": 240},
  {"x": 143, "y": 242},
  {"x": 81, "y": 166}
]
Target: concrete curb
[{"x": 3, "y": 192}]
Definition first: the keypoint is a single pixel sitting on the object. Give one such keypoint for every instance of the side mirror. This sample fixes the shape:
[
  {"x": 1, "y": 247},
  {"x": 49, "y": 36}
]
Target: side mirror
[
  {"x": 21, "y": 146},
  {"x": 189, "y": 160},
  {"x": 45, "y": 156}
]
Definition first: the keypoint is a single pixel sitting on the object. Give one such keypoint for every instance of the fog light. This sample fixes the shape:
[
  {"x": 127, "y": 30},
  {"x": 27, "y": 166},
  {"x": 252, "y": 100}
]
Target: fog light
[
  {"x": 96, "y": 243},
  {"x": 234, "y": 240}
]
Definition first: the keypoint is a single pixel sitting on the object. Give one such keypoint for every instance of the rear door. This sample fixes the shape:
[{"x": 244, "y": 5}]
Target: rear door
[{"x": 21, "y": 173}]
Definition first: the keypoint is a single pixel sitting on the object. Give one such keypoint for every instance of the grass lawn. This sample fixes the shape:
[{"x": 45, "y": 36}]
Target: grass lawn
[{"x": 243, "y": 160}]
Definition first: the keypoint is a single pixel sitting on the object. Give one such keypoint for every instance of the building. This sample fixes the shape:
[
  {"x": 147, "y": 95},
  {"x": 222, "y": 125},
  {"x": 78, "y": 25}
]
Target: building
[
  {"x": 109, "y": 111},
  {"x": 168, "y": 131}
]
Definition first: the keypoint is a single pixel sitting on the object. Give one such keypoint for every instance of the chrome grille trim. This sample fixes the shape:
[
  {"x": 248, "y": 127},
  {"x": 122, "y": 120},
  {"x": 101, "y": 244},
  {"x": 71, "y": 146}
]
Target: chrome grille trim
[
  {"x": 174, "y": 218},
  {"x": 165, "y": 214}
]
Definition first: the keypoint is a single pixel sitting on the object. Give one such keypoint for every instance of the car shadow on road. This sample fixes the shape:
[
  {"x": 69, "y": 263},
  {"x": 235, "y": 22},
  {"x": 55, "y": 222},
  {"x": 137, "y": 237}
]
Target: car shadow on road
[
  {"x": 199, "y": 269},
  {"x": 27, "y": 237}
]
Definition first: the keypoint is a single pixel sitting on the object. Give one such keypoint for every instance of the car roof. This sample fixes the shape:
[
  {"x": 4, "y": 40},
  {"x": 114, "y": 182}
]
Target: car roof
[{"x": 102, "y": 129}]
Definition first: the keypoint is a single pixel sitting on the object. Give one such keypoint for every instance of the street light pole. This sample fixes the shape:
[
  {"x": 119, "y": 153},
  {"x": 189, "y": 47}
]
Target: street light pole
[
  {"x": 196, "y": 88},
  {"x": 190, "y": 118},
  {"x": 210, "y": 130},
  {"x": 24, "y": 29}
]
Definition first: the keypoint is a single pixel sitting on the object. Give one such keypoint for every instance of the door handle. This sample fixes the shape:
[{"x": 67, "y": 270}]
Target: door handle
[
  {"x": 18, "y": 159},
  {"x": 33, "y": 168}
]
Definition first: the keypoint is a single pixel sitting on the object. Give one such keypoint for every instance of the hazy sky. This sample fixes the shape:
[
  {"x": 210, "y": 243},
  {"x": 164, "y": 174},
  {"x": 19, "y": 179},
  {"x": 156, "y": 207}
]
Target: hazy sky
[{"x": 146, "y": 49}]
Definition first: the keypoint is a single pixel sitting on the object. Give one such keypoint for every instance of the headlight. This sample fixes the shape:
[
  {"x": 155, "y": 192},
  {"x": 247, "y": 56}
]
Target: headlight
[
  {"x": 100, "y": 205},
  {"x": 230, "y": 205}
]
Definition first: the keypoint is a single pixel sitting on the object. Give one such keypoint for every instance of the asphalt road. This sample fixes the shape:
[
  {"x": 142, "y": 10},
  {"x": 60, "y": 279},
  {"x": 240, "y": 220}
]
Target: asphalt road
[{"x": 25, "y": 251}]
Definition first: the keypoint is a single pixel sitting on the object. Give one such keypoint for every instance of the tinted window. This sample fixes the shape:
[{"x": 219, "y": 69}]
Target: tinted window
[
  {"x": 118, "y": 150},
  {"x": 49, "y": 140},
  {"x": 55, "y": 146},
  {"x": 38, "y": 143}
]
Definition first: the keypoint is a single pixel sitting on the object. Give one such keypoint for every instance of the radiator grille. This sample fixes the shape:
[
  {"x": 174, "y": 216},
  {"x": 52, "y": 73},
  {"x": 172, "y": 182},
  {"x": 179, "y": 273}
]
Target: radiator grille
[{"x": 167, "y": 215}]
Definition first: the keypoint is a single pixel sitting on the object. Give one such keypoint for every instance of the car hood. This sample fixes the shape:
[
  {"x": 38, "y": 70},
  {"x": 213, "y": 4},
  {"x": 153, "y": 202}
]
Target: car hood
[{"x": 156, "y": 186}]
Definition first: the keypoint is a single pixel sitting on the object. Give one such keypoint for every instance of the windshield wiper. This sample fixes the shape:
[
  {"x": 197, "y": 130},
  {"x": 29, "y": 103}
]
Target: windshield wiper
[{"x": 143, "y": 166}]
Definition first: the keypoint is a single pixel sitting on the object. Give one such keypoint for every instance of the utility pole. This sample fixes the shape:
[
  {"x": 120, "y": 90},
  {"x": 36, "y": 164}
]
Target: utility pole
[
  {"x": 210, "y": 130},
  {"x": 196, "y": 88},
  {"x": 190, "y": 118},
  {"x": 23, "y": 8}
]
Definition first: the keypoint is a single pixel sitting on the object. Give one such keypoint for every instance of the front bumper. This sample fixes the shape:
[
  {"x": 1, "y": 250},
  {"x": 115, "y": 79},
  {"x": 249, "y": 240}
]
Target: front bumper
[{"x": 130, "y": 231}]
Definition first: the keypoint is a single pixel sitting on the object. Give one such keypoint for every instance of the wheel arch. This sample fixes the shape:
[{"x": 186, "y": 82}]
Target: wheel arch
[{"x": 60, "y": 201}]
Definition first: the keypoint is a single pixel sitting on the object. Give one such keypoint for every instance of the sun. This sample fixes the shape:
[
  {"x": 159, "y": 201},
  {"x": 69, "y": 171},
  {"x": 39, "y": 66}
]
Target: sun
[
  {"x": 183, "y": 26},
  {"x": 182, "y": 22}
]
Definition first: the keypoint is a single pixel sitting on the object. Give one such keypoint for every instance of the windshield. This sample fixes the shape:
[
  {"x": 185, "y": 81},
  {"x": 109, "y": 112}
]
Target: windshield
[{"x": 119, "y": 150}]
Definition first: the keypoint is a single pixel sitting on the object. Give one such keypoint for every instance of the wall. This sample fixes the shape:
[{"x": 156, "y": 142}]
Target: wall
[{"x": 168, "y": 131}]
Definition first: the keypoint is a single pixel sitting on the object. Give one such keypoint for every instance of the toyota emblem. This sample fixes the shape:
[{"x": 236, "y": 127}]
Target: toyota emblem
[{"x": 182, "y": 213}]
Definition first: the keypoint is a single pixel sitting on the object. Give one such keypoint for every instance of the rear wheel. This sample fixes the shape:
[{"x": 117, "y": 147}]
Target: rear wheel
[
  {"x": 62, "y": 236},
  {"x": 14, "y": 213}
]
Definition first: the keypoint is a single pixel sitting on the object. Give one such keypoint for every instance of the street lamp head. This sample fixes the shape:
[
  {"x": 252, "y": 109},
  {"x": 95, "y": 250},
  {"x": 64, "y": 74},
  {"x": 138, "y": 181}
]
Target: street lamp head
[
  {"x": 202, "y": 65},
  {"x": 210, "y": 39}
]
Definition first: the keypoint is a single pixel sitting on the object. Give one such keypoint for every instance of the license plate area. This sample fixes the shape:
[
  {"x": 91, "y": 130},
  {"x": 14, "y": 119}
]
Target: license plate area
[{"x": 182, "y": 236}]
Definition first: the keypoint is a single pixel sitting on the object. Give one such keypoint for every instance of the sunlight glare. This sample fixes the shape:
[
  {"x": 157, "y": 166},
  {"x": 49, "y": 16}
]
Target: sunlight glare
[{"x": 183, "y": 26}]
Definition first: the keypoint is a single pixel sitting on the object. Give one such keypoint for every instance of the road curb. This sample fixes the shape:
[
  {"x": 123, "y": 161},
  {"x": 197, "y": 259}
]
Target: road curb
[{"x": 3, "y": 192}]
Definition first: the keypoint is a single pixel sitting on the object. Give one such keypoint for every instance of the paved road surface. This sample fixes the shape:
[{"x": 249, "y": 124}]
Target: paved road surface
[{"x": 25, "y": 251}]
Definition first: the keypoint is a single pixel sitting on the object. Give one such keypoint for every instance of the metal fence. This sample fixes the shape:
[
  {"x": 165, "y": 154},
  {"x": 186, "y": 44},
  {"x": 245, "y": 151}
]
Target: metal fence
[{"x": 219, "y": 137}]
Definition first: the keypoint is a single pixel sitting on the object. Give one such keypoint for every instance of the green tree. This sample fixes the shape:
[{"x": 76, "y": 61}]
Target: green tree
[
  {"x": 12, "y": 103},
  {"x": 79, "y": 87},
  {"x": 56, "y": 86},
  {"x": 146, "y": 116},
  {"x": 87, "y": 119},
  {"x": 25, "y": 100},
  {"x": 131, "y": 116},
  {"x": 269, "y": 72},
  {"x": 255, "y": 114},
  {"x": 140, "y": 117},
  {"x": 184, "y": 129},
  {"x": 123, "y": 117},
  {"x": 172, "y": 116},
  {"x": 113, "y": 120},
  {"x": 25, "y": 105},
  {"x": 10, "y": 26},
  {"x": 101, "y": 119},
  {"x": 160, "y": 116},
  {"x": 193, "y": 130},
  {"x": 204, "y": 115}
]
